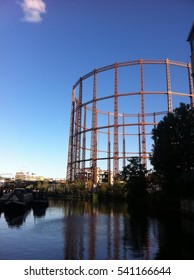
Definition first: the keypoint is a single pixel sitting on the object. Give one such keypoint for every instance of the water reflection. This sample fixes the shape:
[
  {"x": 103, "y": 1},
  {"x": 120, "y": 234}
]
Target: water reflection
[
  {"x": 16, "y": 221},
  {"x": 106, "y": 231},
  {"x": 176, "y": 241},
  {"x": 39, "y": 212},
  {"x": 85, "y": 230},
  {"x": 136, "y": 235}
]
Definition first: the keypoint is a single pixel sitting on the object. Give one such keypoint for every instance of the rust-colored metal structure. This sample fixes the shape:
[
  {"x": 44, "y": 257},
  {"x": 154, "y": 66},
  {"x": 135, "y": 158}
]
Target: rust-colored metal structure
[{"x": 115, "y": 107}]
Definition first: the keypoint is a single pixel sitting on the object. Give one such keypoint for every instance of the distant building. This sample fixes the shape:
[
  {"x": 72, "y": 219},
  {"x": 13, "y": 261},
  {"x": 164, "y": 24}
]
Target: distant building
[
  {"x": 2, "y": 182},
  {"x": 191, "y": 41},
  {"x": 28, "y": 177},
  {"x": 102, "y": 175},
  {"x": 20, "y": 176}
]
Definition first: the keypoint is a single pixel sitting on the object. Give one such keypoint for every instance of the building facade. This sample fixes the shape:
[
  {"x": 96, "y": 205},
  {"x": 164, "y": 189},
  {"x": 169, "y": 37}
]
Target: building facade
[{"x": 28, "y": 177}]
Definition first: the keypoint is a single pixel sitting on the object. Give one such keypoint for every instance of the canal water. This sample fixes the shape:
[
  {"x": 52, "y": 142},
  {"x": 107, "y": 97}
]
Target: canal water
[{"x": 102, "y": 231}]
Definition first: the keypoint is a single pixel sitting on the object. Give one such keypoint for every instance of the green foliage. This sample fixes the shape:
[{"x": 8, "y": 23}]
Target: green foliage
[
  {"x": 89, "y": 185},
  {"x": 39, "y": 184},
  {"x": 173, "y": 148},
  {"x": 115, "y": 192},
  {"x": 118, "y": 189},
  {"x": 135, "y": 176},
  {"x": 42, "y": 186},
  {"x": 104, "y": 187},
  {"x": 80, "y": 184}
]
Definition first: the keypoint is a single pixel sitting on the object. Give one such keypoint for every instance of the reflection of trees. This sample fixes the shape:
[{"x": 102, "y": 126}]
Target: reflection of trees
[
  {"x": 136, "y": 235},
  {"x": 176, "y": 243}
]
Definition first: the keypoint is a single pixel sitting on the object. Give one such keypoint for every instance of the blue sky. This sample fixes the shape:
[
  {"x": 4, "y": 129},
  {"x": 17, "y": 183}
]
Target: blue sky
[{"x": 47, "y": 45}]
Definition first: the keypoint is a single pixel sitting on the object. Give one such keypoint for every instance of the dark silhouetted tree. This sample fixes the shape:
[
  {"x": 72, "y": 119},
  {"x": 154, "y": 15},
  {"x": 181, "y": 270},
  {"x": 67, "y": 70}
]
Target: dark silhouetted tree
[
  {"x": 135, "y": 176},
  {"x": 173, "y": 148}
]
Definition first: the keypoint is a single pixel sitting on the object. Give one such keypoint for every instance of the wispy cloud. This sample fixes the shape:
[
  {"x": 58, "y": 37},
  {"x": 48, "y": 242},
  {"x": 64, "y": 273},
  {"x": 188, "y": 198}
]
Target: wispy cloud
[{"x": 33, "y": 10}]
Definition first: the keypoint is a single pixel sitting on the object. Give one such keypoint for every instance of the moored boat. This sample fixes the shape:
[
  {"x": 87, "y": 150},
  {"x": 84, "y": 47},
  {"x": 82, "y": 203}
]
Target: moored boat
[
  {"x": 18, "y": 201},
  {"x": 3, "y": 200},
  {"x": 40, "y": 200}
]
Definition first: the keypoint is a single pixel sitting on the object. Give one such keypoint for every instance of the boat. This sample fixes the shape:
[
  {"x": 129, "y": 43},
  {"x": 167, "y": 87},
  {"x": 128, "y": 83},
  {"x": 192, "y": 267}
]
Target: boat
[
  {"x": 40, "y": 200},
  {"x": 18, "y": 201},
  {"x": 3, "y": 200}
]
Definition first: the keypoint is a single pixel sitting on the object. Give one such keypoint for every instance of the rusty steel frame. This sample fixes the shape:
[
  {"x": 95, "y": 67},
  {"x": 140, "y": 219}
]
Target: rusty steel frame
[{"x": 78, "y": 128}]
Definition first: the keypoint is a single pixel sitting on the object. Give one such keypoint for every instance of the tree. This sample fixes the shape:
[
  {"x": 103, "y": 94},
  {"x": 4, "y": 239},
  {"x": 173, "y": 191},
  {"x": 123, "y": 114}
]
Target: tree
[
  {"x": 135, "y": 176},
  {"x": 173, "y": 148}
]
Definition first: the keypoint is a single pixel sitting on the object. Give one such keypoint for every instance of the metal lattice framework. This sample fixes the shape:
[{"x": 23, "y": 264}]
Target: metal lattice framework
[{"x": 91, "y": 117}]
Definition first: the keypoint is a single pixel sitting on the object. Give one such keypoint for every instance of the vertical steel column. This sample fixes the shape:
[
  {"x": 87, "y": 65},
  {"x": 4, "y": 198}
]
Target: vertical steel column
[
  {"x": 79, "y": 121},
  {"x": 116, "y": 148},
  {"x": 84, "y": 141},
  {"x": 109, "y": 151},
  {"x": 139, "y": 135},
  {"x": 169, "y": 95},
  {"x": 124, "y": 159},
  {"x": 142, "y": 116},
  {"x": 154, "y": 119},
  {"x": 190, "y": 85},
  {"x": 75, "y": 163},
  {"x": 70, "y": 171},
  {"x": 94, "y": 134}
]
